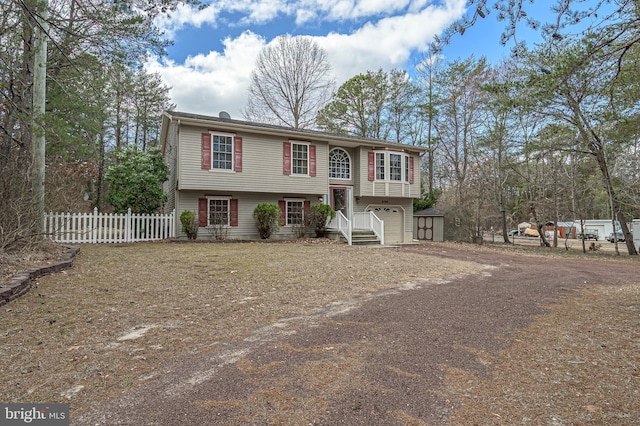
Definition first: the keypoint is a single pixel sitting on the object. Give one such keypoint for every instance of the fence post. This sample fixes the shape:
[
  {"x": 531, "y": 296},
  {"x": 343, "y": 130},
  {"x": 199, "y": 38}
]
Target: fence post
[
  {"x": 171, "y": 224},
  {"x": 172, "y": 228},
  {"x": 127, "y": 226},
  {"x": 94, "y": 225}
]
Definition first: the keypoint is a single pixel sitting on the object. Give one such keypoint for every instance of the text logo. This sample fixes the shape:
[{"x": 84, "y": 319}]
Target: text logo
[{"x": 34, "y": 414}]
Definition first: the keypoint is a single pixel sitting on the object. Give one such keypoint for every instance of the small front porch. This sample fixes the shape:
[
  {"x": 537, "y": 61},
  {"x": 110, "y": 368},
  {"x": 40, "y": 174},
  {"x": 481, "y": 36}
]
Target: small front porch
[{"x": 364, "y": 228}]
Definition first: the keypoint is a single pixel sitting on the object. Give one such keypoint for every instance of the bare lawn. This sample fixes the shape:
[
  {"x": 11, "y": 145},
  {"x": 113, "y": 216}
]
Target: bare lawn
[
  {"x": 77, "y": 336},
  {"x": 74, "y": 336}
]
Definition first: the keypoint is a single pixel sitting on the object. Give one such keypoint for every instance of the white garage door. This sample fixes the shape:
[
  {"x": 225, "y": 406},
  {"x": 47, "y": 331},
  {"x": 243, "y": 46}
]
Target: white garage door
[{"x": 393, "y": 217}]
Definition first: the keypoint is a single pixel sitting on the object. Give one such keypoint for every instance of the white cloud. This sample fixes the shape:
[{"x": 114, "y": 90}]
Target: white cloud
[
  {"x": 262, "y": 11},
  {"x": 389, "y": 42},
  {"x": 345, "y": 10},
  {"x": 254, "y": 11},
  {"x": 210, "y": 82},
  {"x": 185, "y": 16}
]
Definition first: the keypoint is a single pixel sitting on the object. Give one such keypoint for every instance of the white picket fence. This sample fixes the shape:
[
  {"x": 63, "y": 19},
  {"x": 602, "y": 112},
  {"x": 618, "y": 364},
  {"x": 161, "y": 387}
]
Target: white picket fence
[{"x": 108, "y": 227}]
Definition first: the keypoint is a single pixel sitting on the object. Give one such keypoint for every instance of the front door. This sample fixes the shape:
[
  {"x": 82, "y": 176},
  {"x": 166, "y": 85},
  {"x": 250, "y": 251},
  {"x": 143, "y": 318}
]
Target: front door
[{"x": 340, "y": 199}]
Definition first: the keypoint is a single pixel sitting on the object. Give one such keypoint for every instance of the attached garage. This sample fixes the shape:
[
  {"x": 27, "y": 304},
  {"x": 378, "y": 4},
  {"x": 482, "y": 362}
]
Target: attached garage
[
  {"x": 428, "y": 225},
  {"x": 393, "y": 217}
]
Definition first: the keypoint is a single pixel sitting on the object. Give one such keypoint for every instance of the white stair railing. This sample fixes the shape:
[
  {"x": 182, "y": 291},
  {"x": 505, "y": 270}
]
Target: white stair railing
[
  {"x": 371, "y": 222},
  {"x": 344, "y": 226}
]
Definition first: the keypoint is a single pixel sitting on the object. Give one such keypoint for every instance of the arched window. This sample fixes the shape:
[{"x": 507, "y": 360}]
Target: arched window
[{"x": 339, "y": 164}]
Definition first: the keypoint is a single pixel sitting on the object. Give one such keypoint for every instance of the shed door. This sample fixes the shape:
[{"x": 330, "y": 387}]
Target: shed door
[
  {"x": 425, "y": 227},
  {"x": 393, "y": 217}
]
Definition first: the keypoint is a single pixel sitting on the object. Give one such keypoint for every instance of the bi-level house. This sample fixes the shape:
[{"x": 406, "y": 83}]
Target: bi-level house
[{"x": 223, "y": 168}]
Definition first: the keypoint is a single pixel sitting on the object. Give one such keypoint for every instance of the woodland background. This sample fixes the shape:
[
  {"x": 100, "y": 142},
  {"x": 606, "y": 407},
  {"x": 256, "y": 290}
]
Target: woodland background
[{"x": 551, "y": 134}]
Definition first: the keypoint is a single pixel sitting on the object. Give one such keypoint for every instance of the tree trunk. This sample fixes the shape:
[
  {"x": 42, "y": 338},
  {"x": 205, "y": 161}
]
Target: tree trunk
[
  {"x": 38, "y": 115},
  {"x": 596, "y": 147},
  {"x": 505, "y": 233},
  {"x": 101, "y": 164},
  {"x": 543, "y": 239}
]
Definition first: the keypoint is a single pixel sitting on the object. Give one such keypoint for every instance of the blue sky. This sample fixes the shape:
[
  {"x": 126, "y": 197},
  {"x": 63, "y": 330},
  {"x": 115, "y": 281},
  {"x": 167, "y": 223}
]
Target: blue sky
[{"x": 214, "y": 50}]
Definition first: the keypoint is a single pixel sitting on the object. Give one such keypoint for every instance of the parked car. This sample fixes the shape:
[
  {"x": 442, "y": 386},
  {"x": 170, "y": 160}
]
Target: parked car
[
  {"x": 619, "y": 237},
  {"x": 589, "y": 236},
  {"x": 514, "y": 232}
]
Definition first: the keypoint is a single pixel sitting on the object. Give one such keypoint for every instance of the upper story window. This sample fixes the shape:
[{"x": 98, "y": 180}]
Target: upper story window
[
  {"x": 407, "y": 168},
  {"x": 380, "y": 168},
  {"x": 395, "y": 166},
  {"x": 221, "y": 151},
  {"x": 299, "y": 159},
  {"x": 339, "y": 164},
  {"x": 390, "y": 166}
]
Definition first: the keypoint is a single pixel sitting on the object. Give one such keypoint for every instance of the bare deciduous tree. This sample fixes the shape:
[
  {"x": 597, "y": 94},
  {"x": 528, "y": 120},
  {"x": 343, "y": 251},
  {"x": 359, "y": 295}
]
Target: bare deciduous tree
[{"x": 290, "y": 83}]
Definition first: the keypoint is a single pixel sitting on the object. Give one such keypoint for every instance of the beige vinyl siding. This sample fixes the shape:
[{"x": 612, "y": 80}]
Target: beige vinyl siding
[
  {"x": 262, "y": 160},
  {"x": 363, "y": 186},
  {"x": 417, "y": 178},
  {"x": 247, "y": 202}
]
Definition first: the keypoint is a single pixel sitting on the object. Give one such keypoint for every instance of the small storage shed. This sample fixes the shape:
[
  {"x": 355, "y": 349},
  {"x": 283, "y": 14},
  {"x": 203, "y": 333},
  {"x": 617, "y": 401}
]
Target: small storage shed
[
  {"x": 565, "y": 228},
  {"x": 428, "y": 224}
]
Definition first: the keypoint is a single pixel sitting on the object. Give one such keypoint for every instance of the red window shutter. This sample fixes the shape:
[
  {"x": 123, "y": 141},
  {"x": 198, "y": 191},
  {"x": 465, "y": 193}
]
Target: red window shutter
[
  {"x": 206, "y": 151},
  {"x": 286, "y": 158},
  {"x": 410, "y": 169},
  {"x": 372, "y": 165},
  {"x": 233, "y": 212},
  {"x": 237, "y": 153},
  {"x": 283, "y": 212},
  {"x": 307, "y": 206},
  {"x": 202, "y": 212},
  {"x": 312, "y": 160}
]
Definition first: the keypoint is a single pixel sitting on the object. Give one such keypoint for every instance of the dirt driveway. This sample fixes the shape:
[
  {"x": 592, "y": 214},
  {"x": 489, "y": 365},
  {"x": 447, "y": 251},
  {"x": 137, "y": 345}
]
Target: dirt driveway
[{"x": 177, "y": 334}]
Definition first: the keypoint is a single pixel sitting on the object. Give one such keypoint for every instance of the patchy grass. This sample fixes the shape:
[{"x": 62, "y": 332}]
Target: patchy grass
[
  {"x": 576, "y": 364},
  {"x": 76, "y": 337}
]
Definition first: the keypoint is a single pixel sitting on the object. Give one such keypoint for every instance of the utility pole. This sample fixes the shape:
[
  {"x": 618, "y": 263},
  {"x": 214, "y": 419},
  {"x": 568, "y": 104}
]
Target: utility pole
[{"x": 41, "y": 31}]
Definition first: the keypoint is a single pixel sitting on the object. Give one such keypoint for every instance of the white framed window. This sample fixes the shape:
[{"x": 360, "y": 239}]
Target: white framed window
[
  {"x": 221, "y": 151},
  {"x": 339, "y": 164},
  {"x": 392, "y": 166},
  {"x": 299, "y": 158},
  {"x": 380, "y": 166},
  {"x": 217, "y": 211},
  {"x": 295, "y": 212},
  {"x": 395, "y": 166},
  {"x": 406, "y": 168}
]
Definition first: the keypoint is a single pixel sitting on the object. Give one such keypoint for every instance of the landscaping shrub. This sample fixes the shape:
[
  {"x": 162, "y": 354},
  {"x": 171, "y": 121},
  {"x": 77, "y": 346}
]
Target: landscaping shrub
[
  {"x": 267, "y": 218},
  {"x": 319, "y": 216},
  {"x": 189, "y": 224}
]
